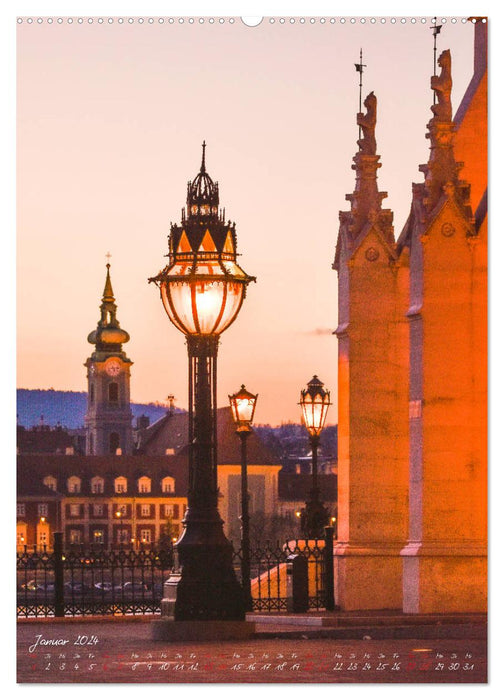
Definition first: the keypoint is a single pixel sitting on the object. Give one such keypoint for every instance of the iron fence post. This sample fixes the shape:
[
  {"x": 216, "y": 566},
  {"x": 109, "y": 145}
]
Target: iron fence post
[
  {"x": 59, "y": 601},
  {"x": 329, "y": 567}
]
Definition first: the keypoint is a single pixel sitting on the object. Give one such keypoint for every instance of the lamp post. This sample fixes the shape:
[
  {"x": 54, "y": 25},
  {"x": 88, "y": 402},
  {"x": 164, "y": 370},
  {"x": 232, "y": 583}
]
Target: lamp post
[
  {"x": 202, "y": 289},
  {"x": 120, "y": 515},
  {"x": 243, "y": 405},
  {"x": 315, "y": 402}
]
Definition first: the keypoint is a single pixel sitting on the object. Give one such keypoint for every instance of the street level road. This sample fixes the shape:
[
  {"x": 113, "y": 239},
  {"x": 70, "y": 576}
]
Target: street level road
[{"x": 123, "y": 652}]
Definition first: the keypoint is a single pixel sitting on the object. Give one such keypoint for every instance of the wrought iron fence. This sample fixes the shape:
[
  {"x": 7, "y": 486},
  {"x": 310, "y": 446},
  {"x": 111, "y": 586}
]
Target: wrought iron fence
[
  {"x": 95, "y": 581},
  {"x": 270, "y": 577},
  {"x": 90, "y": 581}
]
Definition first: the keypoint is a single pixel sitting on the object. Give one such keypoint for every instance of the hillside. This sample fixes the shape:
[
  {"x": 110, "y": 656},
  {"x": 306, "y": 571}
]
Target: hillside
[{"x": 66, "y": 408}]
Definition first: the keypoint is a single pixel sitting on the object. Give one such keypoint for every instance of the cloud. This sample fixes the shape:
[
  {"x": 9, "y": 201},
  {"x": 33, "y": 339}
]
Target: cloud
[{"x": 320, "y": 331}]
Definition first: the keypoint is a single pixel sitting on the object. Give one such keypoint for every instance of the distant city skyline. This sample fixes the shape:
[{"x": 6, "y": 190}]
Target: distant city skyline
[{"x": 110, "y": 121}]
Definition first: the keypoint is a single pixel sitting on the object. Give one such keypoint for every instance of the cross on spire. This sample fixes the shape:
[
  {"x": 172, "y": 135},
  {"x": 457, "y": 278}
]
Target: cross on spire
[
  {"x": 108, "y": 256},
  {"x": 436, "y": 29},
  {"x": 359, "y": 67}
]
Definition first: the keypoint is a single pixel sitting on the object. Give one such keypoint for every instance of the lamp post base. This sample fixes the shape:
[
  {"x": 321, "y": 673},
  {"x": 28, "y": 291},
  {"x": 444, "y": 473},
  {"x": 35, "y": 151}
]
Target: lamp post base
[{"x": 205, "y": 588}]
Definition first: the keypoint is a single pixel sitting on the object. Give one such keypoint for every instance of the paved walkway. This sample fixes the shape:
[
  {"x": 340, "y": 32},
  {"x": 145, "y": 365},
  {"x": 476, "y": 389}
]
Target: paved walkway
[{"x": 329, "y": 648}]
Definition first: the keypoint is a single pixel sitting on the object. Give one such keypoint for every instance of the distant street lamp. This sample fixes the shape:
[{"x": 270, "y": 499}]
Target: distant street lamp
[
  {"x": 243, "y": 405},
  {"x": 202, "y": 289},
  {"x": 315, "y": 402},
  {"x": 119, "y": 514}
]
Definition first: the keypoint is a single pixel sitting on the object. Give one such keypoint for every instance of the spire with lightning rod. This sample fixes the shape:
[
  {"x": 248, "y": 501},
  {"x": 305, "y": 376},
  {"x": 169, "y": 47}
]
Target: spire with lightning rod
[
  {"x": 436, "y": 29},
  {"x": 359, "y": 67}
]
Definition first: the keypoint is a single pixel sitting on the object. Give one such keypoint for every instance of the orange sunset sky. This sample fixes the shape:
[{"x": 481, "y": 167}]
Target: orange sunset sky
[{"x": 110, "y": 121}]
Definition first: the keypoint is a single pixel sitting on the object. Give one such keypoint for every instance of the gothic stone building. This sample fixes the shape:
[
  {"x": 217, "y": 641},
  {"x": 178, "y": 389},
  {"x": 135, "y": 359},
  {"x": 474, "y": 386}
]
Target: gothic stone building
[{"x": 412, "y": 333}]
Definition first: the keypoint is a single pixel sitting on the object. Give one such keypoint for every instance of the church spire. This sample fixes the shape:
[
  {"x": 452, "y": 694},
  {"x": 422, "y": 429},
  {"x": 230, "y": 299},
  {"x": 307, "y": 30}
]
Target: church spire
[
  {"x": 442, "y": 170},
  {"x": 108, "y": 292},
  {"x": 366, "y": 199},
  {"x": 108, "y": 334}
]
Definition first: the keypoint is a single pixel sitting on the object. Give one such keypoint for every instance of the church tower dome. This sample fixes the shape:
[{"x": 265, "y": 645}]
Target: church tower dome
[{"x": 108, "y": 335}]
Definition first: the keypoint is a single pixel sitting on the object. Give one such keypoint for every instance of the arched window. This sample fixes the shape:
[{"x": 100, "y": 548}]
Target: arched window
[
  {"x": 113, "y": 392},
  {"x": 168, "y": 484},
  {"x": 51, "y": 482},
  {"x": 120, "y": 484},
  {"x": 97, "y": 484},
  {"x": 91, "y": 443},
  {"x": 74, "y": 484},
  {"x": 113, "y": 443},
  {"x": 91, "y": 393},
  {"x": 144, "y": 484}
]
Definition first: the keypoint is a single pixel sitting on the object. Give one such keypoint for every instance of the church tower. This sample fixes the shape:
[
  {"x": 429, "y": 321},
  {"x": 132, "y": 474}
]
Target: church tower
[{"x": 108, "y": 417}]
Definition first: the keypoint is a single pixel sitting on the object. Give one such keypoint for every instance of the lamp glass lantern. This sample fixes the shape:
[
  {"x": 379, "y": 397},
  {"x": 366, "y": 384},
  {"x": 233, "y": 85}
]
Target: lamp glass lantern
[
  {"x": 243, "y": 405},
  {"x": 315, "y": 402}
]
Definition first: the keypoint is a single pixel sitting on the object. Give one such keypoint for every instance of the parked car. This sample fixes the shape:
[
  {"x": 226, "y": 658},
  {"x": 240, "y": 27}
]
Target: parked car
[
  {"x": 33, "y": 586},
  {"x": 104, "y": 586}
]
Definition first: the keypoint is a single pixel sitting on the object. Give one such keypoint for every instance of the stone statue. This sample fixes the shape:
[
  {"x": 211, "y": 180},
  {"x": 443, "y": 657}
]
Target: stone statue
[
  {"x": 442, "y": 85},
  {"x": 367, "y": 122}
]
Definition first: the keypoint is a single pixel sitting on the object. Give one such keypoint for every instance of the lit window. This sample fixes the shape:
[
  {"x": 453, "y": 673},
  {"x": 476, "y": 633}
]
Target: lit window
[
  {"x": 50, "y": 482},
  {"x": 145, "y": 536},
  {"x": 97, "y": 484},
  {"x": 21, "y": 510},
  {"x": 144, "y": 484},
  {"x": 171, "y": 511},
  {"x": 145, "y": 509},
  {"x": 168, "y": 484},
  {"x": 120, "y": 484},
  {"x": 98, "y": 536},
  {"x": 43, "y": 510},
  {"x": 74, "y": 484},
  {"x": 122, "y": 509},
  {"x": 21, "y": 535}
]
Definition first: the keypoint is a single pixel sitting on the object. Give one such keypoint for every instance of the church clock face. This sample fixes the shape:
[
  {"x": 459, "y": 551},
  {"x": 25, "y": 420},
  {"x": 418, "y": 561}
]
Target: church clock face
[{"x": 113, "y": 368}]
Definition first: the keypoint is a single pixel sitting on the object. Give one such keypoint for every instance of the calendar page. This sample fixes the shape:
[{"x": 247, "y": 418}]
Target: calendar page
[{"x": 294, "y": 204}]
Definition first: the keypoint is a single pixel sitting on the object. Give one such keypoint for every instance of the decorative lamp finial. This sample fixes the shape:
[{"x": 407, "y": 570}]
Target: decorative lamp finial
[{"x": 203, "y": 167}]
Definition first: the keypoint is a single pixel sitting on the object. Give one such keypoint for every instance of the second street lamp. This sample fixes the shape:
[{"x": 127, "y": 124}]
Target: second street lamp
[
  {"x": 315, "y": 402},
  {"x": 202, "y": 289},
  {"x": 243, "y": 405}
]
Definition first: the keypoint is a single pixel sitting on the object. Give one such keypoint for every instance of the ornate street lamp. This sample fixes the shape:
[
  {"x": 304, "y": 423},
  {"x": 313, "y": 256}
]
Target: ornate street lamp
[
  {"x": 315, "y": 402},
  {"x": 202, "y": 289},
  {"x": 243, "y": 405}
]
